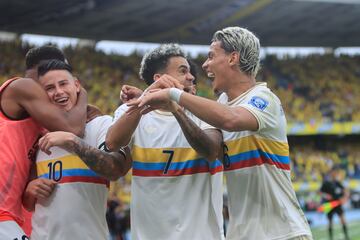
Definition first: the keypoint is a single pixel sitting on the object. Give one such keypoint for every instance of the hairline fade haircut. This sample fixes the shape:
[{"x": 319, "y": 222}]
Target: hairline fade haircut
[
  {"x": 157, "y": 60},
  {"x": 245, "y": 43},
  {"x": 36, "y": 55},
  {"x": 53, "y": 64}
]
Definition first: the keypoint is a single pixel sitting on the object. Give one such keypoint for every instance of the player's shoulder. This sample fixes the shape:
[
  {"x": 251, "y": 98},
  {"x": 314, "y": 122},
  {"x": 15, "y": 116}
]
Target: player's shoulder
[
  {"x": 23, "y": 87},
  {"x": 263, "y": 95},
  {"x": 97, "y": 126},
  {"x": 261, "y": 89},
  {"x": 20, "y": 83}
]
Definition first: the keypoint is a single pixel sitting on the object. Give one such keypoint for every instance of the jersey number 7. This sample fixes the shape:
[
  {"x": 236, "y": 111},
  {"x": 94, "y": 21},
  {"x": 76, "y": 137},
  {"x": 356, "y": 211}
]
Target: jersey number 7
[{"x": 171, "y": 155}]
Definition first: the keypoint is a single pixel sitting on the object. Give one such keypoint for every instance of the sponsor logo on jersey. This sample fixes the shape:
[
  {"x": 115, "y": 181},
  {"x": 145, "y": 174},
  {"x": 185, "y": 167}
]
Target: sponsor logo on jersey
[{"x": 258, "y": 102}]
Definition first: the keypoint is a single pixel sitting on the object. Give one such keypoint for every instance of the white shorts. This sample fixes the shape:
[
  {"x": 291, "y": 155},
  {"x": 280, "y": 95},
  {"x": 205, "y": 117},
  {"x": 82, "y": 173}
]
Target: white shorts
[{"x": 10, "y": 230}]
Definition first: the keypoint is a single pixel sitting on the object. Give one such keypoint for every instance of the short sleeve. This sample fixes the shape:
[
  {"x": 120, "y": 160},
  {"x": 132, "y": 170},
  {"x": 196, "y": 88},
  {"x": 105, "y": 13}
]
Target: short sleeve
[
  {"x": 102, "y": 126},
  {"x": 264, "y": 108},
  {"x": 121, "y": 110}
]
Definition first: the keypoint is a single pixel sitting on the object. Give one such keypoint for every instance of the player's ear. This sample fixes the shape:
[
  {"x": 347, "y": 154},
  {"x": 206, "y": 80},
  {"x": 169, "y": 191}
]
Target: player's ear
[
  {"x": 77, "y": 84},
  {"x": 156, "y": 76},
  {"x": 234, "y": 58}
]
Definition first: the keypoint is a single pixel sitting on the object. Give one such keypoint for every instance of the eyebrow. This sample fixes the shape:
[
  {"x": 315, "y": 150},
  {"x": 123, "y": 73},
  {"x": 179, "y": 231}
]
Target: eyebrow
[{"x": 183, "y": 66}]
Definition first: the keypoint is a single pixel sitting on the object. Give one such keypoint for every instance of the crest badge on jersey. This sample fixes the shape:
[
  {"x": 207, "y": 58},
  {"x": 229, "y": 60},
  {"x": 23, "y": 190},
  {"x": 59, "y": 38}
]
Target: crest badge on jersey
[{"x": 258, "y": 102}]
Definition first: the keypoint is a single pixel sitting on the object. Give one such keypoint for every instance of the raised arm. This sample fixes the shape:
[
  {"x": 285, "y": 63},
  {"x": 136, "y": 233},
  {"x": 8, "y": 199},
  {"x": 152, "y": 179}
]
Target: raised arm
[
  {"x": 30, "y": 96},
  {"x": 120, "y": 133},
  {"x": 214, "y": 113},
  {"x": 219, "y": 115},
  {"x": 110, "y": 165}
]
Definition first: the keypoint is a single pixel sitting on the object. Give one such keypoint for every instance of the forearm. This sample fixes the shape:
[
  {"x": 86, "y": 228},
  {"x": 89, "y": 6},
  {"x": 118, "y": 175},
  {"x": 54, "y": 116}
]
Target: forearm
[
  {"x": 212, "y": 112},
  {"x": 120, "y": 133},
  {"x": 198, "y": 139},
  {"x": 110, "y": 165},
  {"x": 77, "y": 115},
  {"x": 221, "y": 116}
]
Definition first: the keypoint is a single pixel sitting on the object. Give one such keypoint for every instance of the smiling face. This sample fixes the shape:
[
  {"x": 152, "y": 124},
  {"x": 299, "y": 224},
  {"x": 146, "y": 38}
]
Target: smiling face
[
  {"x": 179, "y": 68},
  {"x": 216, "y": 65},
  {"x": 61, "y": 87}
]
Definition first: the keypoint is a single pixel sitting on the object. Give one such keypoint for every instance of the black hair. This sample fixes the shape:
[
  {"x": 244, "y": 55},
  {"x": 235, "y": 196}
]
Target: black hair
[
  {"x": 157, "y": 60},
  {"x": 53, "y": 64},
  {"x": 36, "y": 55}
]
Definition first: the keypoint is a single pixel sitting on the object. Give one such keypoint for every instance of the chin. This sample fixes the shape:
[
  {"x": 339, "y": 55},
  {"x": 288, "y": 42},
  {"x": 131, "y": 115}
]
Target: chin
[
  {"x": 68, "y": 108},
  {"x": 65, "y": 108}
]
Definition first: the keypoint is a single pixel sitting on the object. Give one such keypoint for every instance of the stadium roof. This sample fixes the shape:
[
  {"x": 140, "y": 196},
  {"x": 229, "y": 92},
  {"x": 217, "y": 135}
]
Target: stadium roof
[{"x": 326, "y": 23}]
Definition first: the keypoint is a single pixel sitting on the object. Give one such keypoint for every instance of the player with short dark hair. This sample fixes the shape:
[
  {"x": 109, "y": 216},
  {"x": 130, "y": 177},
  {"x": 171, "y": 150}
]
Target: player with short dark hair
[
  {"x": 72, "y": 173},
  {"x": 25, "y": 111},
  {"x": 177, "y": 180}
]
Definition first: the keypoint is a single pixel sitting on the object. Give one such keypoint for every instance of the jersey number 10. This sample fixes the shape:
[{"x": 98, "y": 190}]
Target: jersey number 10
[{"x": 55, "y": 170}]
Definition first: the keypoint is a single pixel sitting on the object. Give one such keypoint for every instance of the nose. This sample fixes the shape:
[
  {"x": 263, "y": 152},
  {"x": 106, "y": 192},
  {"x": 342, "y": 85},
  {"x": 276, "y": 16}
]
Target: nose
[
  {"x": 58, "y": 90},
  {"x": 205, "y": 65},
  {"x": 190, "y": 77}
]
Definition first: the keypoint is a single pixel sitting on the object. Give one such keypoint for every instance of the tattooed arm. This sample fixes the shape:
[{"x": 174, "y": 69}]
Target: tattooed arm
[
  {"x": 110, "y": 165},
  {"x": 207, "y": 143}
]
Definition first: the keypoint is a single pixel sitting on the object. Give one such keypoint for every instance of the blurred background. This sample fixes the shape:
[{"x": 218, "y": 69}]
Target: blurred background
[{"x": 310, "y": 59}]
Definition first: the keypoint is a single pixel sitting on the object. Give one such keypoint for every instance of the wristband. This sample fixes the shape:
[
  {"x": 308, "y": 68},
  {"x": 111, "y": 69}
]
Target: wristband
[{"x": 175, "y": 94}]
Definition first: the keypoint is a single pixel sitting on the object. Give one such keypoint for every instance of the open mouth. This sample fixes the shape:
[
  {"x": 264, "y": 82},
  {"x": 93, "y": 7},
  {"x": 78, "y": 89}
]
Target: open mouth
[
  {"x": 62, "y": 101},
  {"x": 210, "y": 74}
]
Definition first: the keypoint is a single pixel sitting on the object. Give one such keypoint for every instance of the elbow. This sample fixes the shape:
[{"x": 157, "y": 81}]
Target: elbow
[
  {"x": 229, "y": 125},
  {"x": 214, "y": 152},
  {"x": 118, "y": 173},
  {"x": 228, "y": 122}
]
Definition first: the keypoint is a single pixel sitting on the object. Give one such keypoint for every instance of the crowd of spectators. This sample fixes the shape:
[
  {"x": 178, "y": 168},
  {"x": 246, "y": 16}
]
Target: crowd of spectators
[
  {"x": 315, "y": 88},
  {"x": 313, "y": 157}
]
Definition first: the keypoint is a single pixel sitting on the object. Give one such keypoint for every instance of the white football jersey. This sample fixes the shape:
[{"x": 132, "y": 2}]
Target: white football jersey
[
  {"x": 176, "y": 193},
  {"x": 262, "y": 201},
  {"x": 77, "y": 207}
]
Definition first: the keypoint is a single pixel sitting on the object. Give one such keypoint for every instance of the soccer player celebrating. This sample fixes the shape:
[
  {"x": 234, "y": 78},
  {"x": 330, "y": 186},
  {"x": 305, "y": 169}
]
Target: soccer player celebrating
[
  {"x": 177, "y": 181},
  {"x": 262, "y": 201},
  {"x": 24, "y": 110}
]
